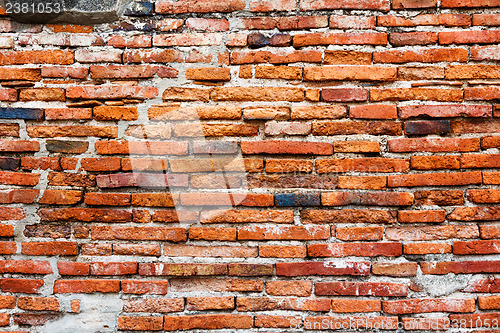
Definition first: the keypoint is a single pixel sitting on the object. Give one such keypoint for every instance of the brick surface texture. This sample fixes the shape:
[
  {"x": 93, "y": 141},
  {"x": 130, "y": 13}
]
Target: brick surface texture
[{"x": 253, "y": 166}]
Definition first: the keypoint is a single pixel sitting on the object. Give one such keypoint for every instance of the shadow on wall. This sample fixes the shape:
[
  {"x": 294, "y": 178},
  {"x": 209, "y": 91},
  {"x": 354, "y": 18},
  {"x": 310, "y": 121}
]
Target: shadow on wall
[{"x": 65, "y": 11}]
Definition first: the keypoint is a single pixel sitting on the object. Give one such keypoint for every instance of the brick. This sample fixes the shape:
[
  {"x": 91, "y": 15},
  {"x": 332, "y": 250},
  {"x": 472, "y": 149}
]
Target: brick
[
  {"x": 369, "y": 164},
  {"x": 139, "y": 233},
  {"x": 137, "y": 249},
  {"x": 73, "y": 268},
  {"x": 37, "y": 57},
  {"x": 352, "y": 22},
  {"x": 50, "y": 248},
  {"x": 60, "y": 197},
  {"x": 396, "y": 270},
  {"x": 19, "y": 178},
  {"x": 281, "y": 57},
  {"x": 318, "y": 112},
  {"x": 113, "y": 268},
  {"x": 431, "y": 232},
  {"x": 42, "y": 94},
  {"x": 111, "y": 92},
  {"x": 420, "y": 216},
  {"x": 490, "y": 142},
  {"x": 160, "y": 269},
  {"x": 348, "y": 216},
  {"x": 257, "y": 94},
  {"x": 210, "y": 251},
  {"x": 433, "y": 145},
  {"x": 278, "y": 72},
  {"x": 474, "y": 214},
  {"x": 407, "y": 4},
  {"x": 28, "y": 286},
  {"x": 322, "y": 268},
  {"x": 272, "y": 5},
  {"x": 344, "y": 73},
  {"x": 154, "y": 305},
  {"x": 84, "y": 215},
  {"x": 435, "y": 179},
  {"x": 419, "y": 73},
  {"x": 413, "y": 38},
  {"x": 38, "y": 303},
  {"x": 288, "y": 166},
  {"x": 297, "y": 200},
  {"x": 289, "y": 288},
  {"x": 435, "y": 162},
  {"x": 489, "y": 302},
  {"x": 210, "y": 303},
  {"x": 380, "y": 111},
  {"x": 426, "y": 248},
  {"x": 449, "y": 20},
  {"x": 344, "y": 95},
  {"x": 286, "y": 147},
  {"x": 459, "y": 267},
  {"x": 481, "y": 94},
  {"x": 460, "y": 72},
  {"x": 356, "y": 147},
  {"x": 141, "y": 323},
  {"x": 15, "y": 73},
  {"x": 469, "y": 3},
  {"x": 422, "y": 94},
  {"x": 347, "y": 58},
  {"x": 475, "y": 126},
  {"x": 429, "y": 305},
  {"x": 211, "y": 322},
  {"x": 65, "y": 72},
  {"x": 221, "y": 234},
  {"x": 351, "y": 322},
  {"x": 208, "y": 74},
  {"x": 257, "y": 40},
  {"x": 276, "y": 321},
  {"x": 486, "y": 19},
  {"x": 359, "y": 233},
  {"x": 139, "y": 287},
  {"x": 367, "y": 198},
  {"x": 282, "y": 251},
  {"x": 363, "y": 182},
  {"x": 25, "y": 267},
  {"x": 188, "y": 39},
  {"x": 360, "y": 289},
  {"x": 475, "y": 247},
  {"x": 354, "y": 305},
  {"x": 68, "y": 113},
  {"x": 107, "y": 199},
  {"x": 321, "y": 128},
  {"x": 215, "y": 285},
  {"x": 86, "y": 56},
  {"x": 485, "y": 53},
  {"x": 329, "y": 4},
  {"x": 445, "y": 111},
  {"x": 207, "y": 24},
  {"x": 354, "y": 249},
  {"x": 284, "y": 233},
  {"x": 440, "y": 127},
  {"x": 185, "y": 6},
  {"x": 339, "y": 38},
  {"x": 469, "y": 37}
]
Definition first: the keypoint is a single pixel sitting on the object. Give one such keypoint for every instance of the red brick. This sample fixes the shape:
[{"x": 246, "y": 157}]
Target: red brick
[
  {"x": 367, "y": 198},
  {"x": 476, "y": 247},
  {"x": 160, "y": 269},
  {"x": 86, "y": 286},
  {"x": 432, "y": 232},
  {"x": 284, "y": 233},
  {"x": 469, "y": 37},
  {"x": 339, "y": 38},
  {"x": 138, "y": 233},
  {"x": 489, "y": 303},
  {"x": 25, "y": 267},
  {"x": 60, "y": 197},
  {"x": 359, "y": 233},
  {"x": 352, "y": 22},
  {"x": 350, "y": 4},
  {"x": 210, "y": 303},
  {"x": 37, "y": 57},
  {"x": 450, "y": 20},
  {"x": 426, "y": 248},
  {"x": 50, "y": 248},
  {"x": 154, "y": 305},
  {"x": 381, "y": 111},
  {"x": 396, "y": 270},
  {"x": 469, "y": 3},
  {"x": 375, "y": 164},
  {"x": 270, "y": 321},
  {"x": 459, "y": 267},
  {"x": 344, "y": 73},
  {"x": 286, "y": 147},
  {"x": 111, "y": 92},
  {"x": 355, "y": 305},
  {"x": 142, "y": 323},
  {"x": 281, "y": 57},
  {"x": 474, "y": 320},
  {"x": 211, "y": 322},
  {"x": 422, "y": 94},
  {"x": 348, "y": 216},
  {"x": 360, "y": 289},
  {"x": 356, "y": 127},
  {"x": 322, "y": 268},
  {"x": 186, "y": 6},
  {"x": 215, "y": 285},
  {"x": 282, "y": 251},
  {"x": 421, "y": 216},
  {"x": 38, "y": 303},
  {"x": 354, "y": 249},
  {"x": 139, "y": 287},
  {"x": 413, "y": 38},
  {"x": 344, "y": 95},
  {"x": 434, "y": 145},
  {"x": 73, "y": 268},
  {"x": 28, "y": 286}
]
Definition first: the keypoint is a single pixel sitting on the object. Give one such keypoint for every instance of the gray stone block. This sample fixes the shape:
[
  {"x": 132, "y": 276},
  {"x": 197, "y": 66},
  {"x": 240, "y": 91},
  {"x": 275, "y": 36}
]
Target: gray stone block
[{"x": 65, "y": 11}]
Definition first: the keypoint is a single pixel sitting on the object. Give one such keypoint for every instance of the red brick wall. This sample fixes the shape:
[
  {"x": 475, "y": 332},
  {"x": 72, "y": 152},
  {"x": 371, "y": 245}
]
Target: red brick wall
[{"x": 253, "y": 166}]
